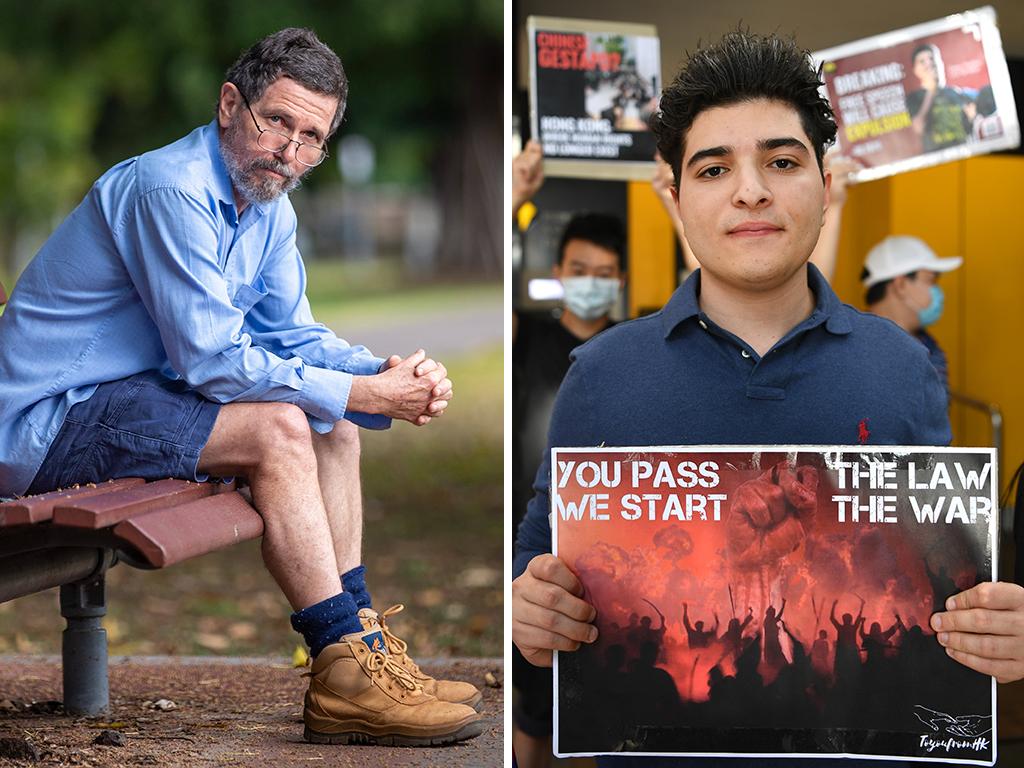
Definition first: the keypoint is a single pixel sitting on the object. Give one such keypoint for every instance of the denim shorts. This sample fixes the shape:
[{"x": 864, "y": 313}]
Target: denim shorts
[{"x": 144, "y": 426}]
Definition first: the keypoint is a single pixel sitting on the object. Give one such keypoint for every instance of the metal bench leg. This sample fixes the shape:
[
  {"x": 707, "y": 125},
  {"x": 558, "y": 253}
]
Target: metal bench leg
[{"x": 83, "y": 604}]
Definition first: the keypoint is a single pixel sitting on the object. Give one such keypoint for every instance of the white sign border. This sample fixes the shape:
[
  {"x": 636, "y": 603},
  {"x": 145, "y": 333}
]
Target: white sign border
[
  {"x": 580, "y": 168},
  {"x": 993, "y": 533},
  {"x": 999, "y": 77}
]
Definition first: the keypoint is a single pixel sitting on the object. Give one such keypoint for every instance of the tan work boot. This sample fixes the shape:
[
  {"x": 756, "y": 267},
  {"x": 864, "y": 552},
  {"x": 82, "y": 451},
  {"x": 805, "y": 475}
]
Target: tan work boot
[
  {"x": 446, "y": 690},
  {"x": 359, "y": 694}
]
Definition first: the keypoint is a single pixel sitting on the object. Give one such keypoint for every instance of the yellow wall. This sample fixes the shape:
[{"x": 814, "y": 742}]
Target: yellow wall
[
  {"x": 992, "y": 323},
  {"x": 969, "y": 208},
  {"x": 651, "y": 249}
]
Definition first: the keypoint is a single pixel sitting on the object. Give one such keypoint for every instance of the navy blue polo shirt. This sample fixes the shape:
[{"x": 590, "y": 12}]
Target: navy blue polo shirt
[{"x": 840, "y": 377}]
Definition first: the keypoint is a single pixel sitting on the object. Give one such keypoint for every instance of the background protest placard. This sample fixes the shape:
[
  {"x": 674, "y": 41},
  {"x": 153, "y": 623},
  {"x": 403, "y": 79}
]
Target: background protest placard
[
  {"x": 593, "y": 87},
  {"x": 773, "y": 601},
  {"x": 922, "y": 95}
]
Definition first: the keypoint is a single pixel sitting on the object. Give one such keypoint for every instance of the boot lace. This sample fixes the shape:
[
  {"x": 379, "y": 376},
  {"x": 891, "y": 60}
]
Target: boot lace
[
  {"x": 378, "y": 662},
  {"x": 395, "y": 644}
]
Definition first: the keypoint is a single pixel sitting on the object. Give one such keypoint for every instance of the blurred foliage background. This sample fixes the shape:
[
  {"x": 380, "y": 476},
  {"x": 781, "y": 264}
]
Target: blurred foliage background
[
  {"x": 84, "y": 85},
  {"x": 402, "y": 232}
]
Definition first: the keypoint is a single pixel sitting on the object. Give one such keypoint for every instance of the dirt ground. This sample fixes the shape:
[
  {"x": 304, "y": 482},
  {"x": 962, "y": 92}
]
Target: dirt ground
[{"x": 227, "y": 712}]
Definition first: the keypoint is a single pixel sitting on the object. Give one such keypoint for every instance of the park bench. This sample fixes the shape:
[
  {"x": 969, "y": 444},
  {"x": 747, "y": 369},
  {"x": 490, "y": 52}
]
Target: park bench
[{"x": 70, "y": 538}]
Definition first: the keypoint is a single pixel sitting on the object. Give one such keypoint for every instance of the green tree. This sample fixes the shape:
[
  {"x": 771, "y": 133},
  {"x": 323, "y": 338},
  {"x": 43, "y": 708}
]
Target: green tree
[{"x": 84, "y": 85}]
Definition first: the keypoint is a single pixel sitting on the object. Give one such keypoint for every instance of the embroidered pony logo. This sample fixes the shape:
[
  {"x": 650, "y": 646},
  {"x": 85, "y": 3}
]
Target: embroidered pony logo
[{"x": 863, "y": 433}]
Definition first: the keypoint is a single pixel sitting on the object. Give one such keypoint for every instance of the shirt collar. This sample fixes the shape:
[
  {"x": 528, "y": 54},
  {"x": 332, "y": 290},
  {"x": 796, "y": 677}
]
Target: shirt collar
[
  {"x": 684, "y": 305},
  {"x": 221, "y": 179}
]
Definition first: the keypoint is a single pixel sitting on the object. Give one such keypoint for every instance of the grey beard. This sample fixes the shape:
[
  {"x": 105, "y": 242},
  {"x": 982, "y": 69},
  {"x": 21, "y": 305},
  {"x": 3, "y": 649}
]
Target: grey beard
[{"x": 250, "y": 185}]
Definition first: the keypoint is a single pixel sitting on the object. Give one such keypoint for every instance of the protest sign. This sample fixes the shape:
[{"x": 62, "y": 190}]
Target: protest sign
[
  {"x": 593, "y": 87},
  {"x": 773, "y": 601},
  {"x": 922, "y": 95}
]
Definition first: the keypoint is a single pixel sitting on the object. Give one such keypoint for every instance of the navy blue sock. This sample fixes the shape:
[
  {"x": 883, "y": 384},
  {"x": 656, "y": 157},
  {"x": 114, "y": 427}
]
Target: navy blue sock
[
  {"x": 326, "y": 622},
  {"x": 354, "y": 582}
]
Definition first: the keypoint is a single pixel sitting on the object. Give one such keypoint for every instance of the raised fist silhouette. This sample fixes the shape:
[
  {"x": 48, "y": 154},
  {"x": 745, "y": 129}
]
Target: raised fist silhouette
[{"x": 769, "y": 516}]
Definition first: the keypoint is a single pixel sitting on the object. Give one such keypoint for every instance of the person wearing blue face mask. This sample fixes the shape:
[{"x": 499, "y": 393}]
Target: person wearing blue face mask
[{"x": 900, "y": 276}]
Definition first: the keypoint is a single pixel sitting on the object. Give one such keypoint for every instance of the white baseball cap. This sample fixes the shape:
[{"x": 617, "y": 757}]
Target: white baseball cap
[{"x": 900, "y": 255}]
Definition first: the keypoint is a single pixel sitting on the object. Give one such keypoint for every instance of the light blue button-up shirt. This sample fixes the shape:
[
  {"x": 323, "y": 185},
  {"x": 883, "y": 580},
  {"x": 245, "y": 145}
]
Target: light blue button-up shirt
[{"x": 155, "y": 270}]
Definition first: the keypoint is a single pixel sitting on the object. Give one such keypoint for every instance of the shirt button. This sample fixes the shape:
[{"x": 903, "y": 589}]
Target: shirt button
[
  {"x": 744, "y": 353},
  {"x": 702, "y": 324}
]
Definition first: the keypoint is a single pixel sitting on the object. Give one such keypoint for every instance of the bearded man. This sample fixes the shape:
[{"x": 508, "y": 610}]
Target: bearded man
[{"x": 163, "y": 331}]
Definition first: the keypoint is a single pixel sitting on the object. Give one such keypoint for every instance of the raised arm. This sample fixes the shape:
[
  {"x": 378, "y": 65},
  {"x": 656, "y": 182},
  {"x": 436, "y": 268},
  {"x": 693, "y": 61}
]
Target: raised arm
[
  {"x": 527, "y": 174},
  {"x": 662, "y": 183},
  {"x": 826, "y": 251},
  {"x": 661, "y": 615}
]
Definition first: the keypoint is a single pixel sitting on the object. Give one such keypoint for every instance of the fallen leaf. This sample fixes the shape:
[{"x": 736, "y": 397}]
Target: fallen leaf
[
  {"x": 454, "y": 611},
  {"x": 479, "y": 623},
  {"x": 479, "y": 576},
  {"x": 243, "y": 630},
  {"x": 491, "y": 680},
  {"x": 212, "y": 641},
  {"x": 300, "y": 657},
  {"x": 46, "y": 707},
  {"x": 18, "y": 749},
  {"x": 110, "y": 738},
  {"x": 430, "y": 598}
]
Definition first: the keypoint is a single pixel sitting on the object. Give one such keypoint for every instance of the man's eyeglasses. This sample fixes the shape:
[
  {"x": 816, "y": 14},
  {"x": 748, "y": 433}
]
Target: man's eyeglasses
[{"x": 275, "y": 141}]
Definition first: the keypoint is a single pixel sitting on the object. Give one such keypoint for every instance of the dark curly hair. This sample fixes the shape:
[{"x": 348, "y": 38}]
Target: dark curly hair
[
  {"x": 743, "y": 67},
  {"x": 294, "y": 53}
]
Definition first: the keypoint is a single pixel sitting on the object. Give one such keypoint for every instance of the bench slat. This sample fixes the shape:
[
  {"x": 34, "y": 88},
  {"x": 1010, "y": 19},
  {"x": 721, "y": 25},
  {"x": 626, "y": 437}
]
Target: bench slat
[
  {"x": 36, "y": 509},
  {"x": 168, "y": 536},
  {"x": 112, "y": 508}
]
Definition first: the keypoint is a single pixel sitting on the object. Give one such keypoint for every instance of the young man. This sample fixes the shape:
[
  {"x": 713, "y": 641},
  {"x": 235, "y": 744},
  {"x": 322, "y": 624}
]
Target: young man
[
  {"x": 162, "y": 331},
  {"x": 900, "y": 276},
  {"x": 754, "y": 348}
]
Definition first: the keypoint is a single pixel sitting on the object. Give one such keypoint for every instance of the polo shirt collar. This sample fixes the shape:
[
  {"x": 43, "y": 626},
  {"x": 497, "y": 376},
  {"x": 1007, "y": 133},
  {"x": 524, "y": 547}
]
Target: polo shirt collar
[
  {"x": 684, "y": 305},
  {"x": 221, "y": 179}
]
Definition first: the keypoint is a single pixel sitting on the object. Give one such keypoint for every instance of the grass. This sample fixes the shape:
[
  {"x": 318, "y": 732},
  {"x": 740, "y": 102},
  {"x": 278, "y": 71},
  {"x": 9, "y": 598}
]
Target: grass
[
  {"x": 342, "y": 293},
  {"x": 433, "y": 536}
]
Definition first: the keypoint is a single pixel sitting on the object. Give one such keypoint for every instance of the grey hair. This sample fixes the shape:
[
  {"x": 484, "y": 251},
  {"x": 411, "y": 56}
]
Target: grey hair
[{"x": 295, "y": 53}]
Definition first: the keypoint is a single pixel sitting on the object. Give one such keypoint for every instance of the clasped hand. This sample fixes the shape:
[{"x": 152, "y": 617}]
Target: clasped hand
[{"x": 414, "y": 389}]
